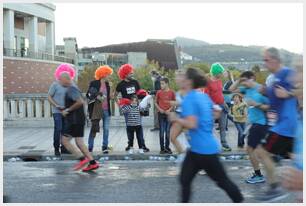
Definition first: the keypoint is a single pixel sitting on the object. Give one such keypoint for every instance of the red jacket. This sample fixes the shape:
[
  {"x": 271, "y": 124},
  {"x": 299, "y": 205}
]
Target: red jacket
[{"x": 214, "y": 89}]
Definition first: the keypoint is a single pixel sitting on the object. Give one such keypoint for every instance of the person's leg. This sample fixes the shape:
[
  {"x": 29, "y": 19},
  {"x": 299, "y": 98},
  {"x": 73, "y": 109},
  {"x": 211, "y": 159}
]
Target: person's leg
[
  {"x": 167, "y": 126},
  {"x": 161, "y": 132},
  {"x": 139, "y": 136},
  {"x": 66, "y": 142},
  {"x": 91, "y": 141},
  {"x": 57, "y": 117},
  {"x": 130, "y": 133},
  {"x": 79, "y": 141},
  {"x": 268, "y": 163},
  {"x": 240, "y": 133},
  {"x": 253, "y": 158},
  {"x": 175, "y": 131},
  {"x": 188, "y": 172},
  {"x": 222, "y": 121},
  {"x": 106, "y": 122},
  {"x": 214, "y": 169}
]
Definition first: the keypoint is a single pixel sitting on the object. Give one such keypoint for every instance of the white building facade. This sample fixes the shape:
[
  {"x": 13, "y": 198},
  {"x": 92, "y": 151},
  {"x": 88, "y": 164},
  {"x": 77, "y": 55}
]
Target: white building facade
[{"x": 28, "y": 29}]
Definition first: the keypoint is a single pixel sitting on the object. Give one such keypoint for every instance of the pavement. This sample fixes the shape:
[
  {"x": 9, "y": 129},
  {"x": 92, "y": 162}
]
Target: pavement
[
  {"x": 119, "y": 182},
  {"x": 37, "y": 143}
]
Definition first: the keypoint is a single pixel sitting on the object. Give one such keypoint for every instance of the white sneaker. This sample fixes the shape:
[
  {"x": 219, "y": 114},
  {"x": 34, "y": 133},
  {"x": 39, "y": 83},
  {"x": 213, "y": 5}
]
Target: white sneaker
[
  {"x": 180, "y": 158},
  {"x": 131, "y": 150},
  {"x": 140, "y": 151}
]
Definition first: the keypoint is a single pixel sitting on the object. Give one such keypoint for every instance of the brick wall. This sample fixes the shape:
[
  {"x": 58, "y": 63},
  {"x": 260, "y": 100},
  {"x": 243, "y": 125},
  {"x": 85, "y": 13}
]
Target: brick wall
[{"x": 22, "y": 76}]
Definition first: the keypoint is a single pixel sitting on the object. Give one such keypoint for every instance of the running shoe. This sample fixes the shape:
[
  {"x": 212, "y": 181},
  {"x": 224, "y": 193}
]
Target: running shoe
[
  {"x": 81, "y": 164},
  {"x": 168, "y": 151},
  {"x": 128, "y": 148},
  {"x": 226, "y": 148},
  {"x": 131, "y": 150},
  {"x": 273, "y": 195},
  {"x": 91, "y": 167},
  {"x": 145, "y": 149},
  {"x": 105, "y": 150},
  {"x": 255, "y": 179}
]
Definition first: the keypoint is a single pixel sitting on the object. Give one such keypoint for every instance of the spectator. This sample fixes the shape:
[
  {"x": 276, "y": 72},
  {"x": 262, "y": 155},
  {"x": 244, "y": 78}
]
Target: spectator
[
  {"x": 99, "y": 94},
  {"x": 156, "y": 86},
  {"x": 215, "y": 91},
  {"x": 239, "y": 113},
  {"x": 162, "y": 103}
]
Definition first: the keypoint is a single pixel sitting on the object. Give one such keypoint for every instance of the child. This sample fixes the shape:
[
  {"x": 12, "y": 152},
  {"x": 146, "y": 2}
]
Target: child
[
  {"x": 132, "y": 111},
  {"x": 239, "y": 113},
  {"x": 163, "y": 96},
  {"x": 74, "y": 118},
  {"x": 197, "y": 116}
]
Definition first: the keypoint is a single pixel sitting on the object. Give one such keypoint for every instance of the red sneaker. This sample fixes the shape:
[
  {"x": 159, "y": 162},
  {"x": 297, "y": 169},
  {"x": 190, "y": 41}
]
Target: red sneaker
[
  {"x": 80, "y": 164},
  {"x": 91, "y": 167}
]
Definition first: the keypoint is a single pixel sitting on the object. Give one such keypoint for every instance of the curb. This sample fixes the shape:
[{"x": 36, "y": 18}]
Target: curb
[{"x": 110, "y": 157}]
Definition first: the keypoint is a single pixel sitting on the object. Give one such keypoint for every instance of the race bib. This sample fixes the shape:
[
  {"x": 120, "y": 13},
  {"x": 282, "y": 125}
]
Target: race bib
[
  {"x": 272, "y": 117},
  {"x": 130, "y": 90}
]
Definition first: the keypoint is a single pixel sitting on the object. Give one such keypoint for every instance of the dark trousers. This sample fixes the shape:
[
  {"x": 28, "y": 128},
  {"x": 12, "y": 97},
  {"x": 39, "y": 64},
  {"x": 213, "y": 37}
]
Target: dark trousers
[
  {"x": 164, "y": 131},
  {"x": 139, "y": 135},
  {"x": 58, "y": 127},
  {"x": 214, "y": 169}
]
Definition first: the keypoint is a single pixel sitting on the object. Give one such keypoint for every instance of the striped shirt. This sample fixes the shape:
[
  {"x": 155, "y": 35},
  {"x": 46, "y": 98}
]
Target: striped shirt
[{"x": 133, "y": 115}]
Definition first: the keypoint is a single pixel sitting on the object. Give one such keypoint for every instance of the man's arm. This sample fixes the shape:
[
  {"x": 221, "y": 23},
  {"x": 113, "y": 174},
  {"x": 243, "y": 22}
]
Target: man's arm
[
  {"x": 234, "y": 87},
  {"x": 54, "y": 103}
]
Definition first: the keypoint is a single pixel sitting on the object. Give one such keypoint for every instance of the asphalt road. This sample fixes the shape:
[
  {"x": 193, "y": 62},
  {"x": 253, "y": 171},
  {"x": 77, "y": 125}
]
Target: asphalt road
[{"x": 117, "y": 182}]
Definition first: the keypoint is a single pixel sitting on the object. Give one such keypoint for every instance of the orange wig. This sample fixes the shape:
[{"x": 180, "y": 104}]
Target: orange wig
[{"x": 103, "y": 71}]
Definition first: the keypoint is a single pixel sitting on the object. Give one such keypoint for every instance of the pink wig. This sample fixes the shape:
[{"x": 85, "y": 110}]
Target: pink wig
[{"x": 64, "y": 68}]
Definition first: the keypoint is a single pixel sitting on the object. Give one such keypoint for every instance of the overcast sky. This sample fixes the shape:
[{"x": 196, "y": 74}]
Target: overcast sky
[{"x": 263, "y": 24}]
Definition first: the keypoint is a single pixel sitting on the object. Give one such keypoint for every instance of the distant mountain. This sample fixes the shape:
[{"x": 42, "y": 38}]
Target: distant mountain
[
  {"x": 187, "y": 42},
  {"x": 232, "y": 53}
]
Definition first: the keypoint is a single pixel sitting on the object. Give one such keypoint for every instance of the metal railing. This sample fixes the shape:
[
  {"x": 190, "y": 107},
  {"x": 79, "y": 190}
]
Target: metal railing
[{"x": 23, "y": 53}]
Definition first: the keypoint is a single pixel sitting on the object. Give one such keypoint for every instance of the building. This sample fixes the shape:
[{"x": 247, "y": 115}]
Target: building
[
  {"x": 165, "y": 52},
  {"x": 28, "y": 29},
  {"x": 29, "y": 59},
  {"x": 185, "y": 58}
]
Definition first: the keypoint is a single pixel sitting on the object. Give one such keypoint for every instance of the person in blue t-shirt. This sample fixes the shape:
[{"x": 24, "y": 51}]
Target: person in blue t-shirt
[
  {"x": 258, "y": 104},
  {"x": 198, "y": 117},
  {"x": 282, "y": 117}
]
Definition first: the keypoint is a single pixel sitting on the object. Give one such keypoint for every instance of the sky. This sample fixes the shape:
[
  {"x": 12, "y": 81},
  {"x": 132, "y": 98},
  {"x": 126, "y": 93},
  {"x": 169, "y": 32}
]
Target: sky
[{"x": 262, "y": 24}]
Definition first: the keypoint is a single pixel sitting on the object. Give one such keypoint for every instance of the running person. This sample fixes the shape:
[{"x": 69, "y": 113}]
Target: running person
[
  {"x": 283, "y": 118},
  {"x": 258, "y": 104},
  {"x": 74, "y": 118},
  {"x": 197, "y": 116}
]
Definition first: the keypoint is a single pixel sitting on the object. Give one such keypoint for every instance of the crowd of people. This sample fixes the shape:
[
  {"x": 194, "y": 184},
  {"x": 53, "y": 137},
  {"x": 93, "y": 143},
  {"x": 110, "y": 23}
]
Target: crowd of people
[{"x": 268, "y": 119}]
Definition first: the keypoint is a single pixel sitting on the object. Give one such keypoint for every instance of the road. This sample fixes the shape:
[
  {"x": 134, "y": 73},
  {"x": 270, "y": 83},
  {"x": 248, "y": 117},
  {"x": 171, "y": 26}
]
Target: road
[{"x": 117, "y": 182}]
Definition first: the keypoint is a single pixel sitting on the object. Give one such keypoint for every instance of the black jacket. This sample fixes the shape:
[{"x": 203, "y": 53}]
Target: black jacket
[{"x": 96, "y": 84}]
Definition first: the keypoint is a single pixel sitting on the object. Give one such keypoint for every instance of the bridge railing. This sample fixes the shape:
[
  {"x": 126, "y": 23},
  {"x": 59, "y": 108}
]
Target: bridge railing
[{"x": 37, "y": 106}]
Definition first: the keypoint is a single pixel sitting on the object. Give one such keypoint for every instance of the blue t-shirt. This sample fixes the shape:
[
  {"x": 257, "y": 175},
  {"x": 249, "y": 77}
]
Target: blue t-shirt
[
  {"x": 255, "y": 115},
  {"x": 201, "y": 139},
  {"x": 286, "y": 109}
]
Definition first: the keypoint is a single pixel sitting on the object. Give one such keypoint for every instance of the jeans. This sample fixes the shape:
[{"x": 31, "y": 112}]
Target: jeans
[
  {"x": 139, "y": 135},
  {"x": 240, "y": 127},
  {"x": 58, "y": 127},
  {"x": 222, "y": 125},
  {"x": 164, "y": 131},
  {"x": 214, "y": 169},
  {"x": 105, "y": 126}
]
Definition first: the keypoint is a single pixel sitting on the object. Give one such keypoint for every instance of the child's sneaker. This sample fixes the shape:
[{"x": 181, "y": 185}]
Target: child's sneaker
[
  {"x": 80, "y": 164},
  {"x": 91, "y": 167},
  {"x": 131, "y": 150}
]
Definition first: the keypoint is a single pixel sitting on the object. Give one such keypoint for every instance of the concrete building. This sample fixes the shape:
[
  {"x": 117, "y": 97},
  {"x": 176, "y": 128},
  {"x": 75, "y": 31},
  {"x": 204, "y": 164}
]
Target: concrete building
[{"x": 28, "y": 29}]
